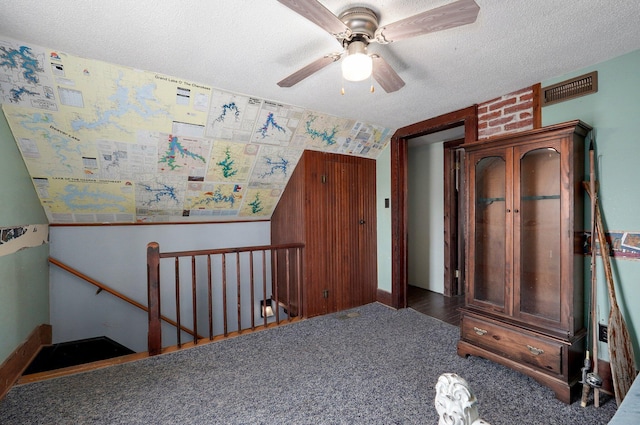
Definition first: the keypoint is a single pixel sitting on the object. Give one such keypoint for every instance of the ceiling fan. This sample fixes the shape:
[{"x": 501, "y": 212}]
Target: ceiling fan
[{"x": 356, "y": 27}]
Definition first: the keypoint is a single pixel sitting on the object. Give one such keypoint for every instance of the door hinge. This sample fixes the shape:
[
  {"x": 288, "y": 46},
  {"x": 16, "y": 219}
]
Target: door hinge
[
  {"x": 323, "y": 179},
  {"x": 457, "y": 274},
  {"x": 325, "y": 293}
]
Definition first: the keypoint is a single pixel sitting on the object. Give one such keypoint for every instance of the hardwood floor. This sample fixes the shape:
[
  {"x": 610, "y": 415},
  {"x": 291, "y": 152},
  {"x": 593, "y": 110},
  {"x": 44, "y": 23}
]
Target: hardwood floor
[{"x": 435, "y": 305}]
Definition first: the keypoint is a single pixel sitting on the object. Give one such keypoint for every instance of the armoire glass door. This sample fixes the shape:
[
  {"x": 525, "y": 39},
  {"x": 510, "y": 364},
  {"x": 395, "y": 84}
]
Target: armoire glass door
[
  {"x": 539, "y": 230},
  {"x": 490, "y": 230}
]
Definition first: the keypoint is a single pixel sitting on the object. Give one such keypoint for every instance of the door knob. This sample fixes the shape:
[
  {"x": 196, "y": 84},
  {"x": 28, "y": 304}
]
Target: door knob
[{"x": 362, "y": 221}]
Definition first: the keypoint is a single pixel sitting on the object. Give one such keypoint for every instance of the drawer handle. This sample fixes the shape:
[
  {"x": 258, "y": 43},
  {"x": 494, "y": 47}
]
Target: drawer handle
[
  {"x": 535, "y": 351},
  {"x": 479, "y": 331}
]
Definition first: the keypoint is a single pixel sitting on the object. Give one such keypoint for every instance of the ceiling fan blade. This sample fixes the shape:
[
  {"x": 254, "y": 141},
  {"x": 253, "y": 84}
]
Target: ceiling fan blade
[
  {"x": 319, "y": 15},
  {"x": 388, "y": 79},
  {"x": 313, "y": 67},
  {"x": 461, "y": 12}
]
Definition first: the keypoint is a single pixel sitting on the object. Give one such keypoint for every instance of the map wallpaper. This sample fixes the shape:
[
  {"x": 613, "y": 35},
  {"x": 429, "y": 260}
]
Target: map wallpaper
[{"x": 105, "y": 143}]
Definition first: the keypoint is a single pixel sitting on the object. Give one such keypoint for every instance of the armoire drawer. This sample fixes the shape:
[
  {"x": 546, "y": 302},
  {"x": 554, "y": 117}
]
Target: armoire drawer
[{"x": 516, "y": 345}]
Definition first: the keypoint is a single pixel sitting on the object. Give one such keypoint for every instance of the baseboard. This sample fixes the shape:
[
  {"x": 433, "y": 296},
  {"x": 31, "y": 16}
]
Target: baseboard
[
  {"x": 17, "y": 362},
  {"x": 384, "y": 297},
  {"x": 604, "y": 370}
]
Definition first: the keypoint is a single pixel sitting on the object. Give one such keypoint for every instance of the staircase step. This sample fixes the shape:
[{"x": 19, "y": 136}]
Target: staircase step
[{"x": 74, "y": 353}]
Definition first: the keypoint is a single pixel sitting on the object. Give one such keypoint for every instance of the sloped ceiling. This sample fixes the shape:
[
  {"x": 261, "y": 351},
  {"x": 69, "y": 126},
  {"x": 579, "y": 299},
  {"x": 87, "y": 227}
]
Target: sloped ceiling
[{"x": 245, "y": 47}]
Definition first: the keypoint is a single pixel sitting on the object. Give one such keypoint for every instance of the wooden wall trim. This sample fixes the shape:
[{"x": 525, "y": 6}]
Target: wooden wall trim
[
  {"x": 399, "y": 213},
  {"x": 384, "y": 297},
  {"x": 604, "y": 370},
  {"x": 399, "y": 149},
  {"x": 157, "y": 223},
  {"x": 19, "y": 359},
  {"x": 443, "y": 122},
  {"x": 451, "y": 231},
  {"x": 537, "y": 106}
]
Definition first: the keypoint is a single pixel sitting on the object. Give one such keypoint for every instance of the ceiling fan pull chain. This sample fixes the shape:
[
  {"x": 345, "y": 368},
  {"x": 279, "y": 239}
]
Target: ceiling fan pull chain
[{"x": 372, "y": 89}]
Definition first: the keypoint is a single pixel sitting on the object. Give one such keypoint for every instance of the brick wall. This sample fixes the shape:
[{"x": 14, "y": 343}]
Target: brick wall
[{"x": 513, "y": 112}]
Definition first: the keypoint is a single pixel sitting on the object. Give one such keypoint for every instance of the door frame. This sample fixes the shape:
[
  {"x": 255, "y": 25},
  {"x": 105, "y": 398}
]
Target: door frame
[
  {"x": 468, "y": 117},
  {"x": 453, "y": 157}
]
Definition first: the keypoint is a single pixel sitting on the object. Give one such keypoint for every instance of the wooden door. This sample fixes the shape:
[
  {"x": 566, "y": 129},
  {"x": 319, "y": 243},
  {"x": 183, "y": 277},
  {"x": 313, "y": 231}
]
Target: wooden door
[
  {"x": 341, "y": 243},
  {"x": 351, "y": 228},
  {"x": 318, "y": 283},
  {"x": 367, "y": 254}
]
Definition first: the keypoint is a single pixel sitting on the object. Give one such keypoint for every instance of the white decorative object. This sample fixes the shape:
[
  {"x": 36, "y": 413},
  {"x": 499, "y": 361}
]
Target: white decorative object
[{"x": 455, "y": 402}]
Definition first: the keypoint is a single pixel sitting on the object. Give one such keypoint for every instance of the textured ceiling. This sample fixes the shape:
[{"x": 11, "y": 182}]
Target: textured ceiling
[
  {"x": 247, "y": 46},
  {"x": 123, "y": 111}
]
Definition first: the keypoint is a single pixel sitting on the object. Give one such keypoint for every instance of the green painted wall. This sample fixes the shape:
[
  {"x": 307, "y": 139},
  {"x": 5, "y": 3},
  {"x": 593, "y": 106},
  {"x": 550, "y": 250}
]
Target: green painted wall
[
  {"x": 425, "y": 218},
  {"x": 24, "y": 275},
  {"x": 383, "y": 191},
  {"x": 613, "y": 112}
]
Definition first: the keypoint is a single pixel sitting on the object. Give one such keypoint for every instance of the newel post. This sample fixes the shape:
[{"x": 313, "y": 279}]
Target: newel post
[{"x": 153, "y": 292}]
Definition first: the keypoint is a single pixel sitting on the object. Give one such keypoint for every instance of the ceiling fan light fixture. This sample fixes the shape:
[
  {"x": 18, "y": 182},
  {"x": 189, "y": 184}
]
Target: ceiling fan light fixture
[
  {"x": 357, "y": 65},
  {"x": 358, "y": 26}
]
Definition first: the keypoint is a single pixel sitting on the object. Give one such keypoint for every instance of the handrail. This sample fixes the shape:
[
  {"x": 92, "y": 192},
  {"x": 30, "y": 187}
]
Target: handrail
[
  {"x": 203, "y": 282},
  {"x": 103, "y": 287},
  {"x": 228, "y": 250}
]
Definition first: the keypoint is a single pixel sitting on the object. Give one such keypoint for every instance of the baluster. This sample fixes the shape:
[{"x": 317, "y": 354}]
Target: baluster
[
  {"x": 194, "y": 299},
  {"x": 224, "y": 293},
  {"x": 299, "y": 281},
  {"x": 210, "y": 296},
  {"x": 284, "y": 269},
  {"x": 177, "y": 270},
  {"x": 251, "y": 303},
  {"x": 238, "y": 289},
  {"x": 154, "y": 341},
  {"x": 274, "y": 278},
  {"x": 264, "y": 285}
]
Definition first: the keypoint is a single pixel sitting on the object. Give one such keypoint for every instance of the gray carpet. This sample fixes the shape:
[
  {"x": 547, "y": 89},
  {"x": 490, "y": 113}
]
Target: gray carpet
[{"x": 370, "y": 365}]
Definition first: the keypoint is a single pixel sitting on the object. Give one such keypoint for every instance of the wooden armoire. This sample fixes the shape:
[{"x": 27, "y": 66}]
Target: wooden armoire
[
  {"x": 329, "y": 204},
  {"x": 524, "y": 301}
]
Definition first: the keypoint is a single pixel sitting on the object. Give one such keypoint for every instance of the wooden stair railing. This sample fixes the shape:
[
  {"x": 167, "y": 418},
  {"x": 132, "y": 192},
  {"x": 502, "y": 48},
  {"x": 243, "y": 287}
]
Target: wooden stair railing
[
  {"x": 213, "y": 282},
  {"x": 102, "y": 287}
]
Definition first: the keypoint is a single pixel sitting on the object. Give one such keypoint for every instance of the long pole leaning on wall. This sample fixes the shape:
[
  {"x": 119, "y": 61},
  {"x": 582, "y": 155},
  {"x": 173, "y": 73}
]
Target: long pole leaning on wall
[
  {"x": 594, "y": 280},
  {"x": 592, "y": 379},
  {"x": 621, "y": 357}
]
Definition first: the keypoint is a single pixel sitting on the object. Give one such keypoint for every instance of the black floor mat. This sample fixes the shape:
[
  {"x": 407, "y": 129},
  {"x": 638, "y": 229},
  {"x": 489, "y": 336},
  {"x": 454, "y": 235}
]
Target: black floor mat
[{"x": 73, "y": 353}]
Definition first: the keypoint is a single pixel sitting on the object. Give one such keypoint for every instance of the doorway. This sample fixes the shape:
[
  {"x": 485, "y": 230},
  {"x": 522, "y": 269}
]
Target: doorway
[
  {"x": 465, "y": 118},
  {"x": 431, "y": 179},
  {"x": 433, "y": 176}
]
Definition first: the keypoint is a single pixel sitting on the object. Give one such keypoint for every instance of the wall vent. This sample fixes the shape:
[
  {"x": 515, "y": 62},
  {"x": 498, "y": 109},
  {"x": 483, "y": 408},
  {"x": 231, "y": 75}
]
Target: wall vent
[{"x": 570, "y": 89}]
